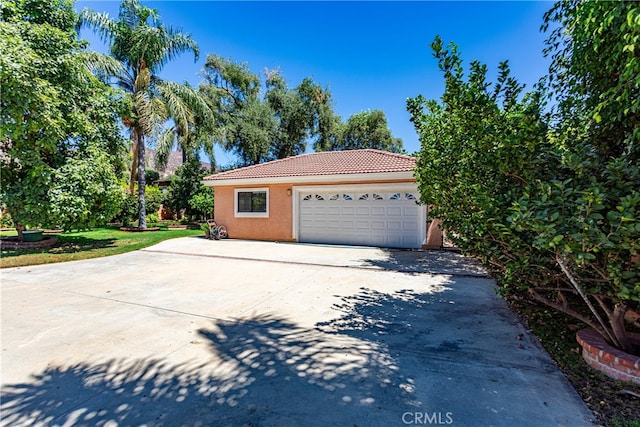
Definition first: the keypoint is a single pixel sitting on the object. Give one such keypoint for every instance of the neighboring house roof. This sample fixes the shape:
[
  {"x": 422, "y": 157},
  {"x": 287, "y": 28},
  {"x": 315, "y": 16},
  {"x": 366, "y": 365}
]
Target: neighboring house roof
[
  {"x": 174, "y": 161},
  {"x": 348, "y": 165}
]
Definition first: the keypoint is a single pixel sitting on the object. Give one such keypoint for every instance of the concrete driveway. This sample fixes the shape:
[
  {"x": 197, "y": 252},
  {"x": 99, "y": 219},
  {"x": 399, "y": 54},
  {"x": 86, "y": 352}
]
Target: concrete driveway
[{"x": 235, "y": 333}]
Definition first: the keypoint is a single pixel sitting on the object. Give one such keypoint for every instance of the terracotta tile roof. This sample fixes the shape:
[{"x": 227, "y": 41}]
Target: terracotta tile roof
[
  {"x": 324, "y": 163},
  {"x": 174, "y": 161}
]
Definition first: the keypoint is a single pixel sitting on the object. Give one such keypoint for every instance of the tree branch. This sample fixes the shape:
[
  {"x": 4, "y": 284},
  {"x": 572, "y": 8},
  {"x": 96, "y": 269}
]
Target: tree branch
[
  {"x": 584, "y": 319},
  {"x": 563, "y": 265}
]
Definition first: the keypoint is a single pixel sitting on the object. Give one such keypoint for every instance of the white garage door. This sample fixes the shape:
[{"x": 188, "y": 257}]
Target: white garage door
[{"x": 385, "y": 219}]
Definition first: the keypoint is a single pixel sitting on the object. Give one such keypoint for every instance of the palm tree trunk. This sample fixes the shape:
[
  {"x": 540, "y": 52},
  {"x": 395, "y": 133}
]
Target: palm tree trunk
[
  {"x": 134, "y": 162},
  {"x": 142, "y": 209}
]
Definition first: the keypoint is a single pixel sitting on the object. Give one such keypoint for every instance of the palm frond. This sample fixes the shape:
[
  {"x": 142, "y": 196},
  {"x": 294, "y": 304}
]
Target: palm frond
[
  {"x": 177, "y": 43},
  {"x": 100, "y": 23},
  {"x": 156, "y": 46},
  {"x": 176, "y": 97},
  {"x": 103, "y": 66},
  {"x": 164, "y": 144},
  {"x": 158, "y": 115},
  {"x": 133, "y": 13}
]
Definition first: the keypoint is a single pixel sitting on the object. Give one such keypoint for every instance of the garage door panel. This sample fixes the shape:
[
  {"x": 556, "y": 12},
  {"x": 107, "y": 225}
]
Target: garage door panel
[
  {"x": 363, "y": 225},
  {"x": 394, "y": 225},
  {"x": 378, "y": 225},
  {"x": 410, "y": 226},
  {"x": 411, "y": 211},
  {"x": 357, "y": 218},
  {"x": 378, "y": 211},
  {"x": 394, "y": 211}
]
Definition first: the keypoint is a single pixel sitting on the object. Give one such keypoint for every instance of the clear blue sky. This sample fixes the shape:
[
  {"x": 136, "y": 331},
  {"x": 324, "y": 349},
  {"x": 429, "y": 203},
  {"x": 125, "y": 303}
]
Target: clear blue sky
[{"x": 371, "y": 55}]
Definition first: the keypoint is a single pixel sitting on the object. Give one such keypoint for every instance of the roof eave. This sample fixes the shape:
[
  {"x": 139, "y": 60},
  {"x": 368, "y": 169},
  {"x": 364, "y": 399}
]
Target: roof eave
[{"x": 356, "y": 177}]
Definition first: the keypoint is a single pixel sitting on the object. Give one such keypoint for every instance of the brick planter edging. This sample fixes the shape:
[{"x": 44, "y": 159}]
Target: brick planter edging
[
  {"x": 609, "y": 360},
  {"x": 13, "y": 243}
]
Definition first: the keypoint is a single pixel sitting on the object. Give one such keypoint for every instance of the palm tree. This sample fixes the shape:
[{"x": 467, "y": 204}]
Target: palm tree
[
  {"x": 190, "y": 132},
  {"x": 143, "y": 46}
]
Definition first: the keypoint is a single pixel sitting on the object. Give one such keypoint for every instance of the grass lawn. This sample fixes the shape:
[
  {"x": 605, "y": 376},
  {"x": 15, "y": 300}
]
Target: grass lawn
[{"x": 95, "y": 243}]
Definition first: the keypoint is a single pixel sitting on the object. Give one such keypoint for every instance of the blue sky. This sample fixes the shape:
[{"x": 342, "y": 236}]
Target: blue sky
[{"x": 371, "y": 55}]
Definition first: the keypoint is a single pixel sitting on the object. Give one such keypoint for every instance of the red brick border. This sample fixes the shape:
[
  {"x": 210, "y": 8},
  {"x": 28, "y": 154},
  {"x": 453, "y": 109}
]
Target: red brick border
[
  {"x": 612, "y": 362},
  {"x": 13, "y": 243}
]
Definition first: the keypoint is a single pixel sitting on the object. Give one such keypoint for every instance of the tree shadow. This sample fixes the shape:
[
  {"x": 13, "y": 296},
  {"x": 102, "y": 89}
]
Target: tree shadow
[
  {"x": 430, "y": 261},
  {"x": 65, "y": 245},
  {"x": 381, "y": 358},
  {"x": 267, "y": 371}
]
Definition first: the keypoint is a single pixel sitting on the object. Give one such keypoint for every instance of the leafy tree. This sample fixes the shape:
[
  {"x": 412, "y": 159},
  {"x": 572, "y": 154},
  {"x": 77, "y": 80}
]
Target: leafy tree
[
  {"x": 84, "y": 193},
  {"x": 127, "y": 212},
  {"x": 244, "y": 124},
  {"x": 262, "y": 129},
  {"x": 301, "y": 113},
  {"x": 56, "y": 117},
  {"x": 481, "y": 144},
  {"x": 142, "y": 45},
  {"x": 367, "y": 129},
  {"x": 554, "y": 213},
  {"x": 186, "y": 183},
  {"x": 202, "y": 202},
  {"x": 595, "y": 75},
  {"x": 152, "y": 175},
  {"x": 588, "y": 216}
]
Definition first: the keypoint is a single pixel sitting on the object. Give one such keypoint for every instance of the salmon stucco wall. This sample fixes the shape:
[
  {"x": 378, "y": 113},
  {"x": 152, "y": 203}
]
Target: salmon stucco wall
[{"x": 278, "y": 227}]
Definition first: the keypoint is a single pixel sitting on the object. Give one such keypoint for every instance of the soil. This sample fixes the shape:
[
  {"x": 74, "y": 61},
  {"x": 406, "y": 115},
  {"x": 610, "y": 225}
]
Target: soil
[{"x": 614, "y": 403}]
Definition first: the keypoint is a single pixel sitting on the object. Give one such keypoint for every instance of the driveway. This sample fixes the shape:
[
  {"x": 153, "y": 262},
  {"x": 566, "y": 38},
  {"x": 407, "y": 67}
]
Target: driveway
[{"x": 237, "y": 333}]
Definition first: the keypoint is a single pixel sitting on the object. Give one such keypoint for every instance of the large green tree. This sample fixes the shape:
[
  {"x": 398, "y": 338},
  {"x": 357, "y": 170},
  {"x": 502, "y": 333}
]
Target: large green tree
[
  {"x": 588, "y": 216},
  {"x": 367, "y": 129},
  {"x": 185, "y": 185},
  {"x": 303, "y": 113},
  {"x": 553, "y": 212},
  {"x": 259, "y": 129},
  {"x": 56, "y": 117},
  {"x": 244, "y": 123},
  {"x": 481, "y": 144},
  {"x": 143, "y": 46}
]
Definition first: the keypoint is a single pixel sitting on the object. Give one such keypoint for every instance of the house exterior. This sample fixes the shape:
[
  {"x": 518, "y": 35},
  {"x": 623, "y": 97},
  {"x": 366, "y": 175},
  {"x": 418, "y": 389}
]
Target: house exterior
[
  {"x": 355, "y": 197},
  {"x": 174, "y": 161}
]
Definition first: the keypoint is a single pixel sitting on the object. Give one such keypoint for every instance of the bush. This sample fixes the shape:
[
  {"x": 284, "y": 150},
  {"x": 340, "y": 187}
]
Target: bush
[
  {"x": 554, "y": 212},
  {"x": 202, "y": 202},
  {"x": 6, "y": 221}
]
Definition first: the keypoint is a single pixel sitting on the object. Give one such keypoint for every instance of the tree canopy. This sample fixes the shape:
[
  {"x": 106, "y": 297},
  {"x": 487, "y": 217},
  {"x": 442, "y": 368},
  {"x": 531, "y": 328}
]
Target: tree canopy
[
  {"x": 549, "y": 203},
  {"x": 367, "y": 129},
  {"x": 258, "y": 125},
  {"x": 55, "y": 116}
]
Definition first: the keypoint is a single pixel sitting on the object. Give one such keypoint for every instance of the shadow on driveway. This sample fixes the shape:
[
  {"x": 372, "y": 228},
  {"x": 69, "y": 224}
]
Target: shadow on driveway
[
  {"x": 382, "y": 358},
  {"x": 431, "y": 261}
]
